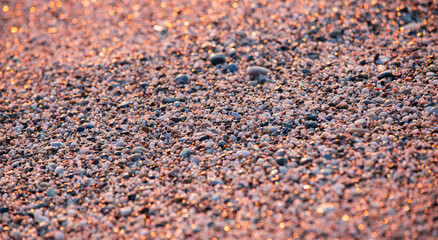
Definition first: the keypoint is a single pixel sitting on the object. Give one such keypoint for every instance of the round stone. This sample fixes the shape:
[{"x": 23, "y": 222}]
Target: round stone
[
  {"x": 217, "y": 58},
  {"x": 182, "y": 79}
]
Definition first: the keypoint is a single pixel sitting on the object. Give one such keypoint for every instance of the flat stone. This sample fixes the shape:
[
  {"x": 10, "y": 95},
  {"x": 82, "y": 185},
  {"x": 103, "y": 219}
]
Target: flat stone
[
  {"x": 139, "y": 150},
  {"x": 385, "y": 74}
]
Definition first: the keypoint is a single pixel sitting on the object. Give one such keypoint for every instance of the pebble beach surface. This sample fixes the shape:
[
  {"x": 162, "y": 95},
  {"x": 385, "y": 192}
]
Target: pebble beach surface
[{"x": 218, "y": 119}]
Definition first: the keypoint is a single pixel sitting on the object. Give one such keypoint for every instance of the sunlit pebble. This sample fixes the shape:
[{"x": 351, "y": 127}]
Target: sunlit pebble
[{"x": 181, "y": 127}]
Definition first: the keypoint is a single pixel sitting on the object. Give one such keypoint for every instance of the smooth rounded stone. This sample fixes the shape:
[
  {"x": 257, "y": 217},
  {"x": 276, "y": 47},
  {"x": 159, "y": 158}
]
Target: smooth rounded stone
[
  {"x": 125, "y": 104},
  {"x": 367, "y": 102},
  {"x": 280, "y": 152},
  {"x": 234, "y": 114},
  {"x": 88, "y": 125},
  {"x": 283, "y": 169},
  {"x": 50, "y": 192},
  {"x": 243, "y": 153},
  {"x": 385, "y": 74},
  {"x": 217, "y": 58},
  {"x": 310, "y": 124},
  {"x": 182, "y": 79},
  {"x": 434, "y": 110},
  {"x": 256, "y": 71},
  {"x": 382, "y": 114},
  {"x": 232, "y": 67},
  {"x": 59, "y": 169},
  {"x": 139, "y": 150},
  {"x": 281, "y": 161},
  {"x": 134, "y": 156},
  {"x": 311, "y": 116},
  {"x": 185, "y": 153},
  {"x": 305, "y": 160},
  {"x": 18, "y": 129},
  {"x": 205, "y": 125},
  {"x": 169, "y": 100},
  {"x": 84, "y": 150},
  {"x": 177, "y": 104},
  {"x": 430, "y": 74},
  {"x": 56, "y": 144},
  {"x": 361, "y": 122},
  {"x": 80, "y": 129},
  {"x": 329, "y": 117},
  {"x": 125, "y": 211},
  {"x": 120, "y": 143}
]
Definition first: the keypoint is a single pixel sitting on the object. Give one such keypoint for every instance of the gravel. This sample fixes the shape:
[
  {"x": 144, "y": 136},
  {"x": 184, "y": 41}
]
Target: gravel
[{"x": 220, "y": 119}]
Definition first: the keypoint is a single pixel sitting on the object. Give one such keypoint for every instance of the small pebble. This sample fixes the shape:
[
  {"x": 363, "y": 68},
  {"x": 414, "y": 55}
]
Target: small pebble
[
  {"x": 256, "y": 71},
  {"x": 217, "y": 58}
]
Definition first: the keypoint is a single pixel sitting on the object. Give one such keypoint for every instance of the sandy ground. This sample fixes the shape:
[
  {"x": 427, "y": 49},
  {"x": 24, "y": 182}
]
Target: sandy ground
[{"x": 218, "y": 119}]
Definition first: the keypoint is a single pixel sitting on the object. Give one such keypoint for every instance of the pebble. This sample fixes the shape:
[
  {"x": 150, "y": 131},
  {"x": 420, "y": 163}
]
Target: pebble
[
  {"x": 88, "y": 125},
  {"x": 256, "y": 71},
  {"x": 243, "y": 153},
  {"x": 305, "y": 160},
  {"x": 80, "y": 129},
  {"x": 139, "y": 150},
  {"x": 185, "y": 152},
  {"x": 182, "y": 79},
  {"x": 232, "y": 67},
  {"x": 134, "y": 156},
  {"x": 120, "y": 143},
  {"x": 205, "y": 125},
  {"x": 125, "y": 211},
  {"x": 177, "y": 104},
  {"x": 310, "y": 124},
  {"x": 56, "y": 144},
  {"x": 50, "y": 192},
  {"x": 59, "y": 169},
  {"x": 385, "y": 74},
  {"x": 217, "y": 58}
]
